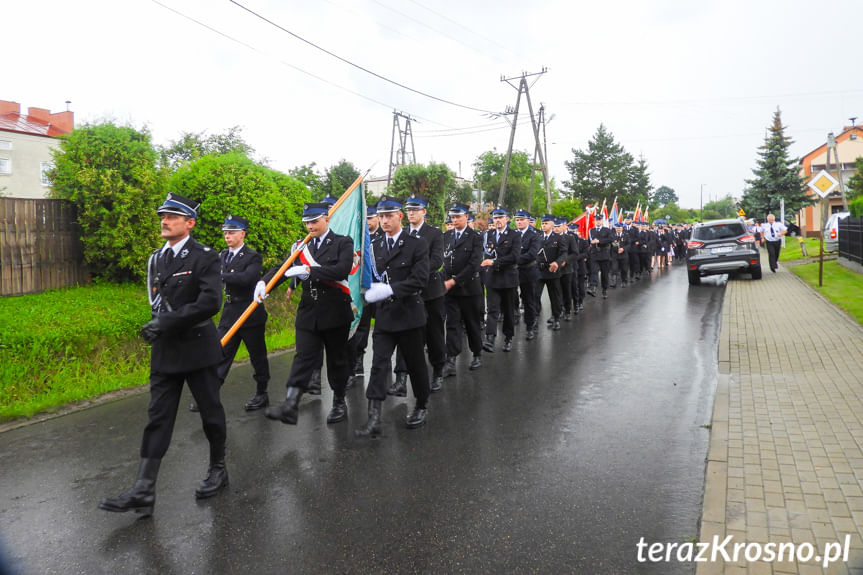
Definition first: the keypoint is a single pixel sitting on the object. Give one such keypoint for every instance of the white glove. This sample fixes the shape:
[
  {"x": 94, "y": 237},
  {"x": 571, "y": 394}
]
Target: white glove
[
  {"x": 301, "y": 272},
  {"x": 378, "y": 292},
  {"x": 261, "y": 292}
]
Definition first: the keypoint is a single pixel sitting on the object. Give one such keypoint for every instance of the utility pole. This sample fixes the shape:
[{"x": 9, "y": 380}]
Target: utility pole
[
  {"x": 523, "y": 88},
  {"x": 400, "y": 157},
  {"x": 542, "y": 122},
  {"x": 831, "y": 145}
]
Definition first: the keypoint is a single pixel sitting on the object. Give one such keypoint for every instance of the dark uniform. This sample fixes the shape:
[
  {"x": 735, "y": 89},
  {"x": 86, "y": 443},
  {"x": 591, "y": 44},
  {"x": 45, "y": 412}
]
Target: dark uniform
[
  {"x": 634, "y": 246},
  {"x": 324, "y": 318},
  {"x": 553, "y": 249},
  {"x": 501, "y": 281},
  {"x": 600, "y": 257},
  {"x": 240, "y": 273},
  {"x": 402, "y": 264},
  {"x": 528, "y": 273},
  {"x": 620, "y": 255},
  {"x": 433, "y": 296},
  {"x": 567, "y": 274},
  {"x": 185, "y": 293},
  {"x": 463, "y": 252},
  {"x": 644, "y": 249},
  {"x": 579, "y": 278}
]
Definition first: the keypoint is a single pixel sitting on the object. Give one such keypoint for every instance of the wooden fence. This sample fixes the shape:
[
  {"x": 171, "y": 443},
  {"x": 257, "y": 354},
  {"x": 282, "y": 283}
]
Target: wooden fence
[{"x": 40, "y": 246}]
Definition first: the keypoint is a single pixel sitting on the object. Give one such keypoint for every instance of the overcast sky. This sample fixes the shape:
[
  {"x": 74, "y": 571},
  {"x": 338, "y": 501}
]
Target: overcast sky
[{"x": 689, "y": 84}]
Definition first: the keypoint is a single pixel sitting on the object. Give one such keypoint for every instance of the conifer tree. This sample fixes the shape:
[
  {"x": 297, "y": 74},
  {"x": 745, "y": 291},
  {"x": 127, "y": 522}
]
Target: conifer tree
[{"x": 776, "y": 177}]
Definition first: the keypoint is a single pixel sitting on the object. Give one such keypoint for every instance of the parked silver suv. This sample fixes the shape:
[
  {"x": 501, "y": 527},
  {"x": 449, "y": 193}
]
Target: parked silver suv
[
  {"x": 831, "y": 231},
  {"x": 721, "y": 247}
]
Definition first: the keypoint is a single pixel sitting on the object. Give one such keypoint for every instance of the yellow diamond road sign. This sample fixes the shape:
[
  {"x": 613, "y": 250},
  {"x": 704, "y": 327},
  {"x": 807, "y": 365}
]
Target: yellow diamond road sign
[{"x": 823, "y": 183}]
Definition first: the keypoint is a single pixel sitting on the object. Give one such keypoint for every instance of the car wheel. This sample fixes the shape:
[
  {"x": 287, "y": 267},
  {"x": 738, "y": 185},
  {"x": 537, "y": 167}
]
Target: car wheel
[
  {"x": 756, "y": 273},
  {"x": 694, "y": 278}
]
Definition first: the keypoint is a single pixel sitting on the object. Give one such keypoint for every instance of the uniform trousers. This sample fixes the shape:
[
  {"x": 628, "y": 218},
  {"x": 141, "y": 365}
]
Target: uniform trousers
[
  {"x": 555, "y": 295},
  {"x": 256, "y": 344},
  {"x": 597, "y": 266},
  {"x": 773, "y": 249},
  {"x": 527, "y": 290},
  {"x": 310, "y": 345},
  {"x": 410, "y": 345},
  {"x": 566, "y": 292},
  {"x": 165, "y": 391},
  {"x": 467, "y": 308},
  {"x": 623, "y": 267},
  {"x": 634, "y": 263},
  {"x": 579, "y": 289},
  {"x": 500, "y": 300},
  {"x": 435, "y": 335},
  {"x": 644, "y": 260}
]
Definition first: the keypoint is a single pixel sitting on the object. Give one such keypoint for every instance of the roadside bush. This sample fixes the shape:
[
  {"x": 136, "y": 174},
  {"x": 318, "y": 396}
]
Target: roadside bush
[
  {"x": 109, "y": 173},
  {"x": 234, "y": 184},
  {"x": 855, "y": 206}
]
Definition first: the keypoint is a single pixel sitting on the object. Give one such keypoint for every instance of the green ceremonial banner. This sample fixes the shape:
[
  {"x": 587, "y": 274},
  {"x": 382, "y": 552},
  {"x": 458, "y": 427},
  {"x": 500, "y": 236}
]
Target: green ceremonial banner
[{"x": 350, "y": 220}]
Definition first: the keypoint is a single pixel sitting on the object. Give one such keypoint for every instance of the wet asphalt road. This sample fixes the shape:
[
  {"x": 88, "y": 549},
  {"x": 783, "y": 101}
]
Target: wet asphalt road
[{"x": 555, "y": 458}]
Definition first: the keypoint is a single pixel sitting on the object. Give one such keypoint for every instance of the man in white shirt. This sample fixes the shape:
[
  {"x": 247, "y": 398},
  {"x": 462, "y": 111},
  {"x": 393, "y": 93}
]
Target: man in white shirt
[{"x": 772, "y": 232}]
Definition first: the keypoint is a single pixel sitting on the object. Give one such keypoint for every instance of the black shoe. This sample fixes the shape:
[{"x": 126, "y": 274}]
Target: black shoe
[
  {"x": 449, "y": 368},
  {"x": 289, "y": 411},
  {"x": 567, "y": 317},
  {"x": 399, "y": 387},
  {"x": 193, "y": 407},
  {"x": 314, "y": 387},
  {"x": 142, "y": 496},
  {"x": 216, "y": 480},
  {"x": 591, "y": 292},
  {"x": 549, "y": 321},
  {"x": 437, "y": 380},
  {"x": 555, "y": 326},
  {"x": 259, "y": 401},
  {"x": 604, "y": 294},
  {"x": 581, "y": 307},
  {"x": 475, "y": 363},
  {"x": 358, "y": 365},
  {"x": 417, "y": 417},
  {"x": 530, "y": 335},
  {"x": 372, "y": 428},
  {"x": 488, "y": 344},
  {"x": 507, "y": 344},
  {"x": 339, "y": 411}
]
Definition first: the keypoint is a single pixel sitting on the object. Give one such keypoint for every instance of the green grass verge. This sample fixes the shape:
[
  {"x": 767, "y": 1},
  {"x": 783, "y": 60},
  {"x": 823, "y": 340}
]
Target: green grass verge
[
  {"x": 74, "y": 344},
  {"x": 841, "y": 286},
  {"x": 792, "y": 250}
]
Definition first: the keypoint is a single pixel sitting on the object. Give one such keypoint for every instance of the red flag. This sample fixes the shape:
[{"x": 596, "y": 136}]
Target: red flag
[
  {"x": 581, "y": 221},
  {"x": 637, "y": 216}
]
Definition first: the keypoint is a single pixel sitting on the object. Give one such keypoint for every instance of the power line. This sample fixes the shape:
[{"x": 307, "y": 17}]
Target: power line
[
  {"x": 712, "y": 100},
  {"x": 283, "y": 62},
  {"x": 357, "y": 66}
]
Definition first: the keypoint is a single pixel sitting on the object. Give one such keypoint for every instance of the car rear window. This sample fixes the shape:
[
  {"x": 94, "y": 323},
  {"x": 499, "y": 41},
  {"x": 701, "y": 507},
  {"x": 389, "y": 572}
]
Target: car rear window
[{"x": 718, "y": 232}]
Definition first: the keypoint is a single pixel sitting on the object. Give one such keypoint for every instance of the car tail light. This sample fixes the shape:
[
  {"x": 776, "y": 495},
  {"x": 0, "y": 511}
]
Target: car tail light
[
  {"x": 750, "y": 239},
  {"x": 694, "y": 244},
  {"x": 833, "y": 234},
  {"x": 753, "y": 261},
  {"x": 693, "y": 267}
]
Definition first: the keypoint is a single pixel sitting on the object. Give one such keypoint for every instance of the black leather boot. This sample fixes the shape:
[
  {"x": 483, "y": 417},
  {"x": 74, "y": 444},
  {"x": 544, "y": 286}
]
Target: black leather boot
[
  {"x": 358, "y": 365},
  {"x": 530, "y": 334},
  {"x": 216, "y": 480},
  {"x": 488, "y": 344},
  {"x": 352, "y": 381},
  {"x": 372, "y": 428},
  {"x": 417, "y": 417},
  {"x": 475, "y": 363},
  {"x": 142, "y": 496},
  {"x": 289, "y": 411},
  {"x": 339, "y": 411},
  {"x": 314, "y": 387},
  {"x": 507, "y": 344},
  {"x": 399, "y": 388}
]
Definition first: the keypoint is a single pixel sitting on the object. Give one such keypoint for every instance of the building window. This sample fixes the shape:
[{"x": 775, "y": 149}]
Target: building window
[
  {"x": 5, "y": 145},
  {"x": 5, "y": 166},
  {"x": 44, "y": 168}
]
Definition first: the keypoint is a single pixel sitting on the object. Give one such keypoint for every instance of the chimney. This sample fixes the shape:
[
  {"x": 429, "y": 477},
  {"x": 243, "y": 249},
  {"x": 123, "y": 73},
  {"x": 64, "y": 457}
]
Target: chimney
[
  {"x": 9, "y": 107},
  {"x": 64, "y": 121},
  {"x": 41, "y": 114}
]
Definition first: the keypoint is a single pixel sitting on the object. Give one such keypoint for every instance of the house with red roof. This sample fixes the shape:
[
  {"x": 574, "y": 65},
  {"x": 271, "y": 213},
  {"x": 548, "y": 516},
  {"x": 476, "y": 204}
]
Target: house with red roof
[{"x": 26, "y": 141}]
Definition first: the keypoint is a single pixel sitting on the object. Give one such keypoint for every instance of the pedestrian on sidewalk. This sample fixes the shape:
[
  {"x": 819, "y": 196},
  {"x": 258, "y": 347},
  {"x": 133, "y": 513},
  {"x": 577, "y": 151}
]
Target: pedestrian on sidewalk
[{"x": 772, "y": 232}]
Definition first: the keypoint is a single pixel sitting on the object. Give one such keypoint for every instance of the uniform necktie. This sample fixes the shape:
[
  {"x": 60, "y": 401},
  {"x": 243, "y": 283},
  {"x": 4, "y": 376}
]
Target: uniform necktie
[
  {"x": 457, "y": 236},
  {"x": 390, "y": 243},
  {"x": 772, "y": 232},
  {"x": 229, "y": 259},
  {"x": 169, "y": 256},
  {"x": 415, "y": 233},
  {"x": 497, "y": 237},
  {"x": 315, "y": 245}
]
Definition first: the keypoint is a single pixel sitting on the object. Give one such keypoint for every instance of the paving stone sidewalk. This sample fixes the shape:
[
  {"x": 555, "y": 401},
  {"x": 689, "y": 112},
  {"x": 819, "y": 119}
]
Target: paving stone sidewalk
[{"x": 785, "y": 462}]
